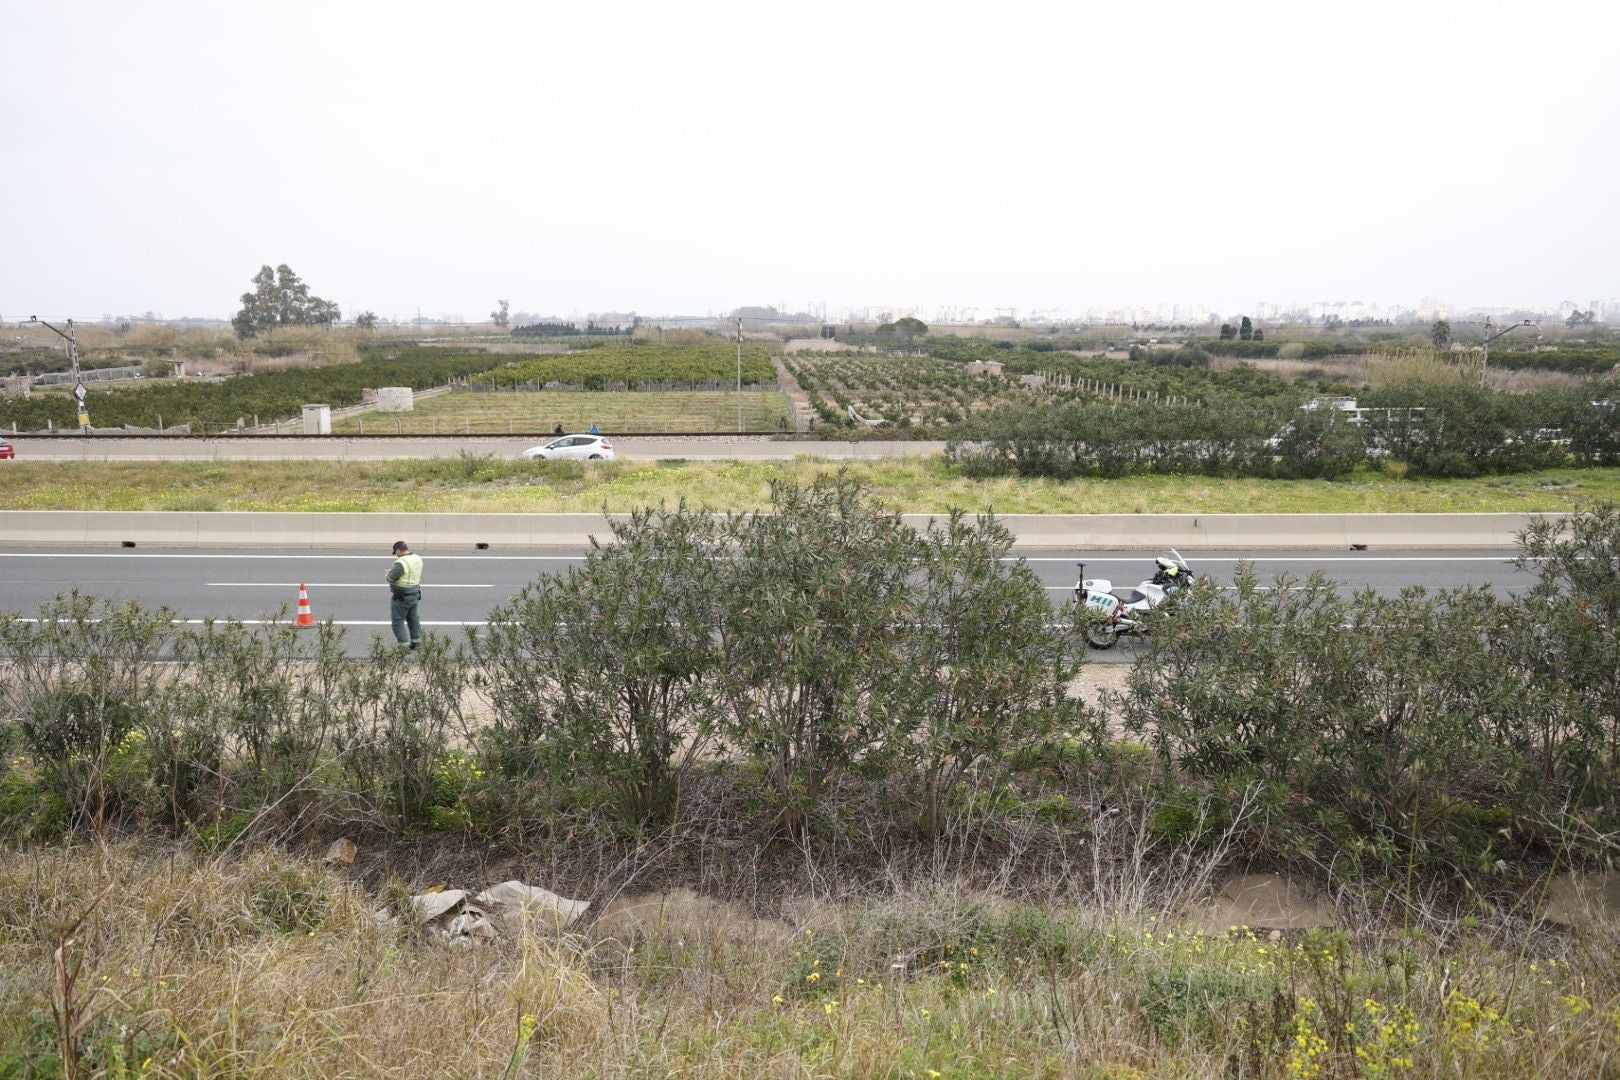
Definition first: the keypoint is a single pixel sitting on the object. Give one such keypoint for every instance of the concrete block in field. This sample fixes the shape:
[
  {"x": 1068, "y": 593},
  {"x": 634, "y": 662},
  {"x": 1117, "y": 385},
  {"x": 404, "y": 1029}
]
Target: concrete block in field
[
  {"x": 317, "y": 419},
  {"x": 395, "y": 399}
]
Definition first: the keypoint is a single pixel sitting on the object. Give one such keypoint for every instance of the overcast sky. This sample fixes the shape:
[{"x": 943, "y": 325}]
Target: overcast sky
[{"x": 687, "y": 158}]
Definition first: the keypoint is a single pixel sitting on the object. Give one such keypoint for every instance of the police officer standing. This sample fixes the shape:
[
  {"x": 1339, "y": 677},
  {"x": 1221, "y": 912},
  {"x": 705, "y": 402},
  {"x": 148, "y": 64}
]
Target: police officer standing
[{"x": 405, "y": 588}]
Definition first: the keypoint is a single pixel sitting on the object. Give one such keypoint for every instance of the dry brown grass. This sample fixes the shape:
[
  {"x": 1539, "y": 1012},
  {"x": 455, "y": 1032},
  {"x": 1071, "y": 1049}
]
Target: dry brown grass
[
  {"x": 206, "y": 350},
  {"x": 1369, "y": 369},
  {"x": 268, "y": 965},
  {"x": 1346, "y": 369},
  {"x": 1524, "y": 382},
  {"x": 1396, "y": 365}
]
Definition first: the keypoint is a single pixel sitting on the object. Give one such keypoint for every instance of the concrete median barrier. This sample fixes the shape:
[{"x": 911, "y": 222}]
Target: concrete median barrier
[
  {"x": 1189, "y": 532},
  {"x": 1195, "y": 532}
]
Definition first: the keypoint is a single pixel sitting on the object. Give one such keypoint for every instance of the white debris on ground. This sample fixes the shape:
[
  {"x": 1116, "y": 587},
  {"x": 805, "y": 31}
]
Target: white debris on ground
[{"x": 454, "y": 917}]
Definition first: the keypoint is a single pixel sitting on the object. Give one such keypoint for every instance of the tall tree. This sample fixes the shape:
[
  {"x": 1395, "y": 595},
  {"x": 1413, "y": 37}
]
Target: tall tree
[
  {"x": 292, "y": 296},
  {"x": 281, "y": 298},
  {"x": 1440, "y": 334},
  {"x": 1245, "y": 329},
  {"x": 501, "y": 316},
  {"x": 258, "y": 307}
]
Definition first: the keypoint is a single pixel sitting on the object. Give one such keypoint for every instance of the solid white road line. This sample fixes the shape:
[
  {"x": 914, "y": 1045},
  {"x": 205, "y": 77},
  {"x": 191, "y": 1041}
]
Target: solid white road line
[
  {"x": 279, "y": 622},
  {"x": 1297, "y": 588},
  {"x": 1282, "y": 558},
  {"x": 1070, "y": 560},
  {"x": 290, "y": 555},
  {"x": 435, "y": 586}
]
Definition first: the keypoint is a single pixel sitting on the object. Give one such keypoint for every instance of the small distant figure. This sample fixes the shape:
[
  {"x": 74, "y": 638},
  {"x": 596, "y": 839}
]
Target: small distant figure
[
  {"x": 595, "y": 430},
  {"x": 558, "y": 430}
]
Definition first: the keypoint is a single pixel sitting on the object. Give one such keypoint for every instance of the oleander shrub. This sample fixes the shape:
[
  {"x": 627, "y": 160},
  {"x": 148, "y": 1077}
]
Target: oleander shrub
[
  {"x": 813, "y": 625},
  {"x": 603, "y": 679},
  {"x": 984, "y": 679},
  {"x": 1451, "y": 731},
  {"x": 81, "y": 679}
]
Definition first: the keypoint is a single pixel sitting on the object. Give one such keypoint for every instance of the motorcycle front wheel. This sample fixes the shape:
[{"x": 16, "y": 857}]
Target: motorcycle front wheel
[{"x": 1101, "y": 636}]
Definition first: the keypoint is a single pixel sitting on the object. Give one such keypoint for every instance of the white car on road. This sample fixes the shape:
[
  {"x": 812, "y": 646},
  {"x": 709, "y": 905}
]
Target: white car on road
[{"x": 573, "y": 448}]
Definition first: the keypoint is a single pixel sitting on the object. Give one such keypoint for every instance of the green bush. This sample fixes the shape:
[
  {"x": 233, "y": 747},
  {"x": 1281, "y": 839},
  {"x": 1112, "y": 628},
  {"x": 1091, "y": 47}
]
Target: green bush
[
  {"x": 1089, "y": 438},
  {"x": 397, "y": 714},
  {"x": 1462, "y": 430},
  {"x": 83, "y": 677},
  {"x": 606, "y": 674},
  {"x": 1187, "y": 815},
  {"x": 1319, "y": 444},
  {"x": 812, "y": 632},
  {"x": 1434, "y": 430},
  {"x": 30, "y": 810},
  {"x": 1450, "y": 732},
  {"x": 984, "y": 677},
  {"x": 1202, "y": 1005}
]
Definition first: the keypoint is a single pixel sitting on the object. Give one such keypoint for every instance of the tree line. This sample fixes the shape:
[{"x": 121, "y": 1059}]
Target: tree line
[
  {"x": 1429, "y": 429},
  {"x": 638, "y": 363},
  {"x": 269, "y": 395},
  {"x": 560, "y": 329}
]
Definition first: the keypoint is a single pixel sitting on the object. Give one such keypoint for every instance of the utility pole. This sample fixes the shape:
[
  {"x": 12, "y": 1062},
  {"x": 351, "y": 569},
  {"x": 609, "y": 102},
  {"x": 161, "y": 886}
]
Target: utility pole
[
  {"x": 739, "y": 375},
  {"x": 1485, "y": 360},
  {"x": 71, "y": 336}
]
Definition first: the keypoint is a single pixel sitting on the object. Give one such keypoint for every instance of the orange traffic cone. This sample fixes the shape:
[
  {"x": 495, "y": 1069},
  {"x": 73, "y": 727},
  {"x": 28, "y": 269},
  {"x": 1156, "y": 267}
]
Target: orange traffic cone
[{"x": 306, "y": 617}]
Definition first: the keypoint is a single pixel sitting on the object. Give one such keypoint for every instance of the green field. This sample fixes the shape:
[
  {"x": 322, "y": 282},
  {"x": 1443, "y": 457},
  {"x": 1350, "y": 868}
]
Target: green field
[
  {"x": 509, "y": 412},
  {"x": 471, "y": 483}
]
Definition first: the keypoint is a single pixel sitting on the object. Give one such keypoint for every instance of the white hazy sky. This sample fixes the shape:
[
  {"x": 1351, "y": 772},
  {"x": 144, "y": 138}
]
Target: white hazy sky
[{"x": 686, "y": 158}]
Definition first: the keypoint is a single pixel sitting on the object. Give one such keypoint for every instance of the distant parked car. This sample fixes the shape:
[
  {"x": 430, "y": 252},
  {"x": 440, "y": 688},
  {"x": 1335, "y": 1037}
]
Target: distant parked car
[
  {"x": 573, "y": 448},
  {"x": 7, "y": 450}
]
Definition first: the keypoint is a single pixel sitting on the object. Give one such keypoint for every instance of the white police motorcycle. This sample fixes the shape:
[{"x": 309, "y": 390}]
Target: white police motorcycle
[{"x": 1111, "y": 613}]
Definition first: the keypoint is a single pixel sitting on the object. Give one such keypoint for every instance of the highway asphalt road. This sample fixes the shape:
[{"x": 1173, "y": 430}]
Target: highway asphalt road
[
  {"x": 341, "y": 448},
  {"x": 460, "y": 588}
]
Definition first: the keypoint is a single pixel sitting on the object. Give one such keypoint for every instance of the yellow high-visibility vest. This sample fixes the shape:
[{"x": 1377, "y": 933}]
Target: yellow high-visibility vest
[{"x": 410, "y": 570}]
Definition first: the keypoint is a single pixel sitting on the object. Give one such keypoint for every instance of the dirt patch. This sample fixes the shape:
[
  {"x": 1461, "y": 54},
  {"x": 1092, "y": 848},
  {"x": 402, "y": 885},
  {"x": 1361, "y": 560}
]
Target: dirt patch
[
  {"x": 798, "y": 345},
  {"x": 1095, "y": 678},
  {"x": 1262, "y": 901},
  {"x": 1583, "y": 901}
]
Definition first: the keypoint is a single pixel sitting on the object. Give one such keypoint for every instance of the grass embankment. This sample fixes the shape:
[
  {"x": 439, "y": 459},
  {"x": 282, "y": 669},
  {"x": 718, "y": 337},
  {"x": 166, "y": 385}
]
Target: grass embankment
[
  {"x": 488, "y": 412},
  {"x": 266, "y": 965},
  {"x": 474, "y": 483}
]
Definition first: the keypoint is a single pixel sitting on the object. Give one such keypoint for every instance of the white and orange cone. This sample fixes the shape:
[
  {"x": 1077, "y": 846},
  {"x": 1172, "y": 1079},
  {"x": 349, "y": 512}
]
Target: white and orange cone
[{"x": 306, "y": 617}]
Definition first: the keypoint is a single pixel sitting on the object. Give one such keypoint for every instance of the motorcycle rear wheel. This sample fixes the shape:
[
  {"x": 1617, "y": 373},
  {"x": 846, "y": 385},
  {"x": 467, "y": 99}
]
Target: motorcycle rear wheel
[{"x": 1101, "y": 637}]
